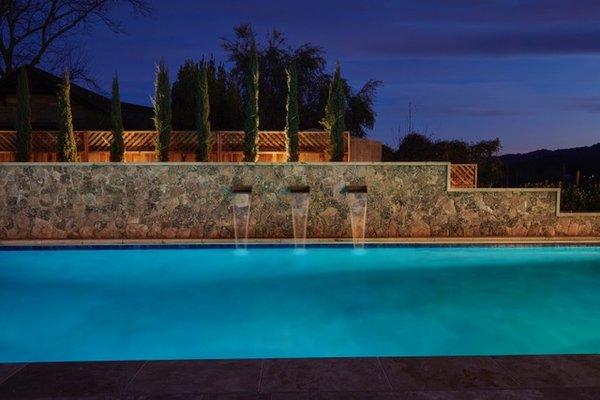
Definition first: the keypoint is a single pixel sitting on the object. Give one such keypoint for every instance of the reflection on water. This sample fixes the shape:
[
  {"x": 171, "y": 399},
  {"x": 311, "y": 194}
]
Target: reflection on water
[
  {"x": 300, "y": 252},
  {"x": 359, "y": 251},
  {"x": 240, "y": 252}
]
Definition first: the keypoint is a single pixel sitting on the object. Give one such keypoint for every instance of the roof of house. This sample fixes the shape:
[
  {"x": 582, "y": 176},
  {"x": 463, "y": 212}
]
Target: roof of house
[{"x": 135, "y": 117}]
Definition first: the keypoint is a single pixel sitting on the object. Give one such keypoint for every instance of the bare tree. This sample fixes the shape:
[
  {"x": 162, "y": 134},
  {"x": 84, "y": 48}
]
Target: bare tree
[{"x": 34, "y": 32}]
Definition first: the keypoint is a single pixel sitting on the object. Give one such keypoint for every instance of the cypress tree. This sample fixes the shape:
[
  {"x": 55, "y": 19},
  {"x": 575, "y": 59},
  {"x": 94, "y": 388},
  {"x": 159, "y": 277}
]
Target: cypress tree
[
  {"x": 334, "y": 116},
  {"x": 117, "y": 146},
  {"x": 202, "y": 114},
  {"x": 251, "y": 116},
  {"x": 184, "y": 96},
  {"x": 162, "y": 111},
  {"x": 23, "y": 118},
  {"x": 292, "y": 118},
  {"x": 67, "y": 145}
]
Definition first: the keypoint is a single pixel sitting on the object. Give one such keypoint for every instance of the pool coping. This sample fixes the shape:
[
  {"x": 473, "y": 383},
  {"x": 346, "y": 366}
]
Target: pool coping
[
  {"x": 321, "y": 242},
  {"x": 398, "y": 378}
]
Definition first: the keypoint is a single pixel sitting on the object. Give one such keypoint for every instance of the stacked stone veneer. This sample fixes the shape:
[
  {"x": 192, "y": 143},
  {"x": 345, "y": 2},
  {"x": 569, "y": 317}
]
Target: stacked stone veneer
[{"x": 116, "y": 201}]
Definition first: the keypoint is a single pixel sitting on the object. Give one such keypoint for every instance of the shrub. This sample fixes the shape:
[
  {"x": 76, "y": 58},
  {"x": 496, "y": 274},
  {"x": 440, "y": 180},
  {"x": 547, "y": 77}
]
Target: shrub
[
  {"x": 418, "y": 147},
  {"x": 583, "y": 198},
  {"x": 575, "y": 198}
]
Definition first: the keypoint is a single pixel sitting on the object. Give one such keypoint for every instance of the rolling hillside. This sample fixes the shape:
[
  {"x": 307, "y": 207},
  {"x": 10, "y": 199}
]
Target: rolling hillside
[{"x": 552, "y": 165}]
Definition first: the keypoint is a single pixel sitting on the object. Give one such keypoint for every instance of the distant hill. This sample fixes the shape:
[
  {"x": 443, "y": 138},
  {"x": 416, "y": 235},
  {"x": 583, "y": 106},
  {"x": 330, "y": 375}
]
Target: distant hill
[{"x": 552, "y": 165}]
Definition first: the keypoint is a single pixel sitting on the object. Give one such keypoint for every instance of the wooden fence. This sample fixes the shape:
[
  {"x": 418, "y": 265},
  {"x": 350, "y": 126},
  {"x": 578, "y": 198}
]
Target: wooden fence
[
  {"x": 365, "y": 150},
  {"x": 227, "y": 146}
]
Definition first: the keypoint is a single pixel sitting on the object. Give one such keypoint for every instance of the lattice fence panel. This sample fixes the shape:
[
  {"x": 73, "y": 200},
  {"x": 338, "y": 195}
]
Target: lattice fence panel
[
  {"x": 463, "y": 175},
  {"x": 226, "y": 145}
]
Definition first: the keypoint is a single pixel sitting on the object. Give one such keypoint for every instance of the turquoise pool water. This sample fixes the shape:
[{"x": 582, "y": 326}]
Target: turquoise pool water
[{"x": 278, "y": 302}]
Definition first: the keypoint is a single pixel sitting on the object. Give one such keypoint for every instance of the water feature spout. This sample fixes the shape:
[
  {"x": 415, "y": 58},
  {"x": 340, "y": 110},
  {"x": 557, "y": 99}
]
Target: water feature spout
[
  {"x": 357, "y": 202},
  {"x": 300, "y": 201},
  {"x": 242, "y": 196}
]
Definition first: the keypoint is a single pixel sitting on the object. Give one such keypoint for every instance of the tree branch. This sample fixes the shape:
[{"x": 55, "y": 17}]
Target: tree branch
[{"x": 30, "y": 28}]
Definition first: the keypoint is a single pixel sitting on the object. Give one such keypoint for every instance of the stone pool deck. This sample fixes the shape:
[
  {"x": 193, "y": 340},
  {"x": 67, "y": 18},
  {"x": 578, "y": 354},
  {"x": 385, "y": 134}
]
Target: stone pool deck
[{"x": 416, "y": 378}]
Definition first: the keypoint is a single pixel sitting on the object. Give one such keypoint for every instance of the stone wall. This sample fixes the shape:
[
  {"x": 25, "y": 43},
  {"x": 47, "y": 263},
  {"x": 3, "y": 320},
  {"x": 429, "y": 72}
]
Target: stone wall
[{"x": 176, "y": 200}]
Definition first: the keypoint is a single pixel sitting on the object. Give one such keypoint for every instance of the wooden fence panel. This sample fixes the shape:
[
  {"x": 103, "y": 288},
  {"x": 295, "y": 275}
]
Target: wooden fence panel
[
  {"x": 97, "y": 156},
  {"x": 7, "y": 156},
  {"x": 313, "y": 157},
  {"x": 140, "y": 156},
  {"x": 365, "y": 150}
]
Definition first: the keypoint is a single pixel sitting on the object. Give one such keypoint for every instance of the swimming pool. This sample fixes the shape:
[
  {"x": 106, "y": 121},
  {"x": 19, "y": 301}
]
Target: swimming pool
[{"x": 205, "y": 303}]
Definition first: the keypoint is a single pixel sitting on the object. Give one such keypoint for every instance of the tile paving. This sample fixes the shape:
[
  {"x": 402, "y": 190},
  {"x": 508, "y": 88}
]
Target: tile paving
[{"x": 393, "y": 378}]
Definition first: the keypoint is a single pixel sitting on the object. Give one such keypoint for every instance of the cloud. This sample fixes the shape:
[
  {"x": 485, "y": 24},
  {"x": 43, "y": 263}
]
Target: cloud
[
  {"x": 385, "y": 12},
  {"x": 485, "y": 41},
  {"x": 432, "y": 27},
  {"x": 478, "y": 111},
  {"x": 589, "y": 104}
]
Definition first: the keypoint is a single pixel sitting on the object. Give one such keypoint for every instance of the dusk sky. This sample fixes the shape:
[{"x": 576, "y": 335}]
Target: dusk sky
[{"x": 527, "y": 72}]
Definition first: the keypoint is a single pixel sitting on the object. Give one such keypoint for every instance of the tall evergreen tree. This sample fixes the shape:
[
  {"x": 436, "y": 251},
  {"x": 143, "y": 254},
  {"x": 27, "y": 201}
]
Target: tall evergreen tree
[
  {"x": 202, "y": 116},
  {"x": 184, "y": 96},
  {"x": 274, "y": 54},
  {"x": 23, "y": 118},
  {"x": 67, "y": 145},
  {"x": 334, "y": 116},
  {"x": 292, "y": 121},
  {"x": 162, "y": 112},
  {"x": 251, "y": 117},
  {"x": 226, "y": 105},
  {"x": 117, "y": 146}
]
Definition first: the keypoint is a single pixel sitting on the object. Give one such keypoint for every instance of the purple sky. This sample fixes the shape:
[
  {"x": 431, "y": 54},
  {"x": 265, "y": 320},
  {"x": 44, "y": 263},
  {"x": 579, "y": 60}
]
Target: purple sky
[{"x": 525, "y": 71}]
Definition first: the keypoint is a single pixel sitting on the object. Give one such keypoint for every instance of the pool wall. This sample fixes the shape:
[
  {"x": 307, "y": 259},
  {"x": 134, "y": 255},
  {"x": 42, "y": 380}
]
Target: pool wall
[{"x": 191, "y": 200}]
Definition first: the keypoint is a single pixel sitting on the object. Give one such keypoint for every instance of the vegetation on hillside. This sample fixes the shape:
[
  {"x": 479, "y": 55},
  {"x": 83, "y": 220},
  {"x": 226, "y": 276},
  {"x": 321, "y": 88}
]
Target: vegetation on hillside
[
  {"x": 576, "y": 171},
  {"x": 553, "y": 166}
]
